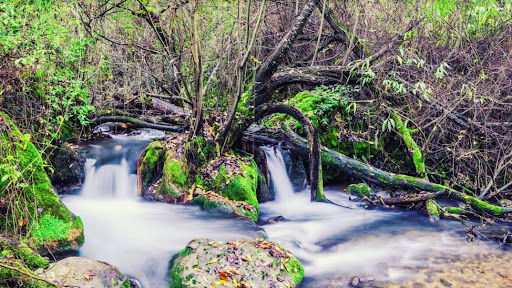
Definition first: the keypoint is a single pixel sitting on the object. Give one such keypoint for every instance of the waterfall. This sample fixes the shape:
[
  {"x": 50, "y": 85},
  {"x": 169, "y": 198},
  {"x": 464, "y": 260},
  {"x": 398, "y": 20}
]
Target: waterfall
[
  {"x": 278, "y": 175},
  {"x": 110, "y": 180}
]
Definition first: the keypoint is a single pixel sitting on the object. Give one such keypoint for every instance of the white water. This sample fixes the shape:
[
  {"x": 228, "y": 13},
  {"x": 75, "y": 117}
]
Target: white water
[
  {"x": 138, "y": 237},
  {"x": 278, "y": 174},
  {"x": 331, "y": 242}
]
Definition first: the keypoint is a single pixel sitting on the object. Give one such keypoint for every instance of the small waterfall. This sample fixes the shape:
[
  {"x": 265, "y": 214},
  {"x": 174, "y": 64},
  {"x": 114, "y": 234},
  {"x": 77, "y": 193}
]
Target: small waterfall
[
  {"x": 278, "y": 174},
  {"x": 110, "y": 180}
]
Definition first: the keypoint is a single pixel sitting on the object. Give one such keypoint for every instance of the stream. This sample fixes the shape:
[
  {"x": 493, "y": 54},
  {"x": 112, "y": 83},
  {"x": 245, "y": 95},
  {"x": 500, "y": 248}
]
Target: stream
[{"x": 334, "y": 243}]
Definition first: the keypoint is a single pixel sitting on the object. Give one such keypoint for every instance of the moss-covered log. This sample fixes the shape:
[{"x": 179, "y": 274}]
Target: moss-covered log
[
  {"x": 415, "y": 151},
  {"x": 367, "y": 172}
]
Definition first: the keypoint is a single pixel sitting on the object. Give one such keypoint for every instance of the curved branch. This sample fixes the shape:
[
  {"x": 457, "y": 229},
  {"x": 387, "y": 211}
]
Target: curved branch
[
  {"x": 314, "y": 76},
  {"x": 137, "y": 123},
  {"x": 314, "y": 146}
]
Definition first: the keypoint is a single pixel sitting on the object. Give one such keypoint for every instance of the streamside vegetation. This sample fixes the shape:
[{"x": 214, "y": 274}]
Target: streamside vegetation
[{"x": 410, "y": 97}]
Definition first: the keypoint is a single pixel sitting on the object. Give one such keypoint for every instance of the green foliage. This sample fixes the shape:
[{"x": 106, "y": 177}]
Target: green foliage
[
  {"x": 478, "y": 17},
  {"x": 48, "y": 69},
  {"x": 29, "y": 195},
  {"x": 323, "y": 101}
]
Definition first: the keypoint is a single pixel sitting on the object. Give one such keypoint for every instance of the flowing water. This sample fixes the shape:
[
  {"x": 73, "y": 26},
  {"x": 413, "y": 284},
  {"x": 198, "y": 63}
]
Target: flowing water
[{"x": 333, "y": 243}]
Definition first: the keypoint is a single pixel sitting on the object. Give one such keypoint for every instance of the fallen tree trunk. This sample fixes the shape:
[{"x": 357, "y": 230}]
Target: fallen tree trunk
[
  {"x": 369, "y": 173},
  {"x": 137, "y": 123}
]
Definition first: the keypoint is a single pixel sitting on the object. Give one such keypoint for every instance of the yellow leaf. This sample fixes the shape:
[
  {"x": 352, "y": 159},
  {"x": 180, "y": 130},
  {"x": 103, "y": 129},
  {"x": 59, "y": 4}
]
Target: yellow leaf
[
  {"x": 198, "y": 270},
  {"x": 108, "y": 111},
  {"x": 213, "y": 261},
  {"x": 20, "y": 222},
  {"x": 249, "y": 257}
]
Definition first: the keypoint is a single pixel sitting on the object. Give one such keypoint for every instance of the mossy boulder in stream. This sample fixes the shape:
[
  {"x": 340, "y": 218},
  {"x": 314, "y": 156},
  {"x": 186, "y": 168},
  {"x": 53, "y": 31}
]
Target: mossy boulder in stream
[
  {"x": 240, "y": 263},
  {"x": 163, "y": 172},
  {"x": 226, "y": 184},
  {"x": 31, "y": 209},
  {"x": 234, "y": 177}
]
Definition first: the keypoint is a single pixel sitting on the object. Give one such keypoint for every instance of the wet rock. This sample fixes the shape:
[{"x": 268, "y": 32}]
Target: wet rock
[
  {"x": 354, "y": 281},
  {"x": 84, "y": 273},
  {"x": 240, "y": 263},
  {"x": 68, "y": 165},
  {"x": 275, "y": 219},
  {"x": 295, "y": 169}
]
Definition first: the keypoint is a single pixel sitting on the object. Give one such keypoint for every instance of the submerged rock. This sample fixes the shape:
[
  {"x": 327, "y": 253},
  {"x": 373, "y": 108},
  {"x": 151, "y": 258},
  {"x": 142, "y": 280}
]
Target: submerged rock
[
  {"x": 47, "y": 224},
  {"x": 84, "y": 273},
  {"x": 275, "y": 219},
  {"x": 241, "y": 263}
]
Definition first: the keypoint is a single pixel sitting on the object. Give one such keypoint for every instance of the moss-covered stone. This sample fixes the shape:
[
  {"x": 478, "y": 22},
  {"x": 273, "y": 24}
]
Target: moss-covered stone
[
  {"x": 234, "y": 177},
  {"x": 207, "y": 263},
  {"x": 35, "y": 209},
  {"x": 163, "y": 172},
  {"x": 150, "y": 164},
  {"x": 19, "y": 256},
  {"x": 360, "y": 190}
]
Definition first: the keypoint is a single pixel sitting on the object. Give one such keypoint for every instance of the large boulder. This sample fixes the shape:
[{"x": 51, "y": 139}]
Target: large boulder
[
  {"x": 163, "y": 172},
  {"x": 226, "y": 184},
  {"x": 28, "y": 202},
  {"x": 240, "y": 263},
  {"x": 84, "y": 273}
]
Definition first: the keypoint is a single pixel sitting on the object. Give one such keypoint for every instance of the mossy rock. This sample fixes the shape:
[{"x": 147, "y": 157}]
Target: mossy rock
[
  {"x": 38, "y": 211},
  {"x": 162, "y": 172},
  {"x": 360, "y": 190},
  {"x": 239, "y": 263},
  {"x": 150, "y": 166},
  {"x": 214, "y": 202},
  {"x": 234, "y": 177}
]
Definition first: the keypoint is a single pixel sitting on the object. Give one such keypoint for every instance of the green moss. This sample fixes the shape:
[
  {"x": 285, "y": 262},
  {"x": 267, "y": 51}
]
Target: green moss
[
  {"x": 433, "y": 212},
  {"x": 176, "y": 270},
  {"x": 51, "y": 228},
  {"x": 417, "y": 157},
  {"x": 294, "y": 267},
  {"x": 360, "y": 190},
  {"x": 126, "y": 284},
  {"x": 240, "y": 187},
  {"x": 23, "y": 171},
  {"x": 484, "y": 206},
  {"x": 456, "y": 210},
  {"x": 151, "y": 163},
  {"x": 20, "y": 256},
  {"x": 175, "y": 172}
]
